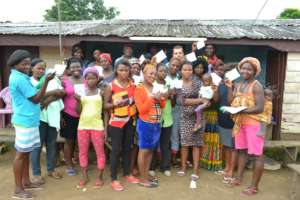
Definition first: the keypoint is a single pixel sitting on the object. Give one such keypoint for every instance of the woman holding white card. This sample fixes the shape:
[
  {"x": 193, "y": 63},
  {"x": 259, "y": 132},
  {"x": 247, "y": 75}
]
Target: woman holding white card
[
  {"x": 188, "y": 100},
  {"x": 70, "y": 117}
]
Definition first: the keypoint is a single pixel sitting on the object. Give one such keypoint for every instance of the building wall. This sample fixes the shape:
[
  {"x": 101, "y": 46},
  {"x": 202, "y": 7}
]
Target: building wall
[
  {"x": 291, "y": 97},
  {"x": 51, "y": 54}
]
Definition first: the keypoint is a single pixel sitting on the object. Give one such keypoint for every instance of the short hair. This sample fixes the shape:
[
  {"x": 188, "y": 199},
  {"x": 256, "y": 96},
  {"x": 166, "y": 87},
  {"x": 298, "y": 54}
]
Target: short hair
[
  {"x": 201, "y": 60},
  {"x": 178, "y": 47},
  {"x": 76, "y": 48},
  {"x": 73, "y": 60},
  {"x": 123, "y": 61},
  {"x": 17, "y": 56}
]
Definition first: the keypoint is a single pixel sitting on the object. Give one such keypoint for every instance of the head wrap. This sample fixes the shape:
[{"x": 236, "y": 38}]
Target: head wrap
[
  {"x": 106, "y": 56},
  {"x": 17, "y": 56},
  {"x": 133, "y": 61},
  {"x": 92, "y": 70},
  {"x": 254, "y": 62}
]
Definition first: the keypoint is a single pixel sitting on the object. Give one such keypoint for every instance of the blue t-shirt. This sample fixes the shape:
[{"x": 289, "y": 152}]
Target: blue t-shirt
[
  {"x": 25, "y": 112},
  {"x": 224, "y": 119}
]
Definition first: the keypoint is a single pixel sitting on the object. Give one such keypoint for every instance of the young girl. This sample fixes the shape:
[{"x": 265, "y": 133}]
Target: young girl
[
  {"x": 266, "y": 117},
  {"x": 149, "y": 106},
  {"x": 70, "y": 117},
  {"x": 207, "y": 93},
  {"x": 91, "y": 126},
  {"x": 166, "y": 126},
  {"x": 119, "y": 100},
  {"x": 25, "y": 118}
]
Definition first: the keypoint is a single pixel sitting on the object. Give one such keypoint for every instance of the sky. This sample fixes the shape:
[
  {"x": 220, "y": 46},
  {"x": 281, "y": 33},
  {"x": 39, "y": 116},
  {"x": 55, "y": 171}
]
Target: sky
[{"x": 33, "y": 10}]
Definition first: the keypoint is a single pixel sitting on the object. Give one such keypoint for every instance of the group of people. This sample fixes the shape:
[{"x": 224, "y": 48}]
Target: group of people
[{"x": 146, "y": 112}]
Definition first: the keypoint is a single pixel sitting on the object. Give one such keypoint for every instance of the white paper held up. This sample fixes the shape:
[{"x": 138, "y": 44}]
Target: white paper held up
[
  {"x": 79, "y": 89},
  {"x": 201, "y": 43},
  {"x": 59, "y": 69},
  {"x": 232, "y": 74},
  {"x": 137, "y": 79},
  {"x": 233, "y": 110},
  {"x": 216, "y": 79},
  {"x": 191, "y": 57},
  {"x": 159, "y": 88},
  {"x": 176, "y": 84},
  {"x": 142, "y": 59},
  {"x": 160, "y": 56}
]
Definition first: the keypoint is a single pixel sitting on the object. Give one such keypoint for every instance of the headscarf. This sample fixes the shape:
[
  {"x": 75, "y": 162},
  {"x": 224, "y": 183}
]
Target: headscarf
[
  {"x": 92, "y": 70},
  {"x": 254, "y": 62},
  {"x": 17, "y": 56},
  {"x": 106, "y": 56}
]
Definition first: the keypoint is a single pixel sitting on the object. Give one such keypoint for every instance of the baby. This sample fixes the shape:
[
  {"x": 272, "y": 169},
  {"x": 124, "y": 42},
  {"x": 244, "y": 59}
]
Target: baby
[
  {"x": 205, "y": 92},
  {"x": 266, "y": 116}
]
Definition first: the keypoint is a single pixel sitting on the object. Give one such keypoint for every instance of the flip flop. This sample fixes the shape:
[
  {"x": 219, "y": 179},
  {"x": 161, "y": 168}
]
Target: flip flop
[
  {"x": 81, "y": 184},
  {"x": 250, "y": 191},
  {"x": 234, "y": 182},
  {"x": 71, "y": 172},
  {"x": 220, "y": 172},
  {"x": 22, "y": 195},
  {"x": 33, "y": 186},
  {"x": 98, "y": 184},
  {"x": 148, "y": 185},
  {"x": 55, "y": 175},
  {"x": 194, "y": 177},
  {"x": 180, "y": 173},
  {"x": 227, "y": 179}
]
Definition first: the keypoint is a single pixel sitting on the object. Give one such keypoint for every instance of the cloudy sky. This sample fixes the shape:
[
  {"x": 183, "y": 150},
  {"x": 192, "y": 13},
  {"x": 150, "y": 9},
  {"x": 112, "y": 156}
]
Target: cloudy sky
[{"x": 33, "y": 10}]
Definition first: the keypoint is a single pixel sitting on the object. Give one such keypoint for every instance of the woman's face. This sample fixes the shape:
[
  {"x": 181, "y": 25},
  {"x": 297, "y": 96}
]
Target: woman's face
[
  {"x": 149, "y": 75},
  {"x": 39, "y": 70},
  {"x": 123, "y": 72},
  {"x": 135, "y": 69},
  {"x": 174, "y": 67},
  {"x": 78, "y": 54},
  {"x": 162, "y": 73},
  {"x": 104, "y": 63},
  {"x": 24, "y": 66},
  {"x": 186, "y": 71},
  {"x": 220, "y": 71},
  {"x": 247, "y": 71},
  {"x": 75, "y": 69},
  {"x": 209, "y": 50},
  {"x": 96, "y": 55},
  {"x": 92, "y": 80},
  {"x": 199, "y": 70}
]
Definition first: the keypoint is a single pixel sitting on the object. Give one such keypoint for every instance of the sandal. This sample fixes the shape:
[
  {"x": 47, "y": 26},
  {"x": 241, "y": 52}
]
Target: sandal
[
  {"x": 180, "y": 173},
  {"x": 220, "y": 173},
  {"x": 22, "y": 195},
  {"x": 235, "y": 182},
  {"x": 250, "y": 191},
  {"x": 98, "y": 184},
  {"x": 55, "y": 175},
  {"x": 81, "y": 184},
  {"x": 227, "y": 179},
  {"x": 148, "y": 184},
  {"x": 33, "y": 186},
  {"x": 71, "y": 172},
  {"x": 194, "y": 177},
  {"x": 116, "y": 185}
]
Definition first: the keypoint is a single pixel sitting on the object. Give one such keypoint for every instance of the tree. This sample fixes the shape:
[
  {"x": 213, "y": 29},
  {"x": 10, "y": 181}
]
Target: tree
[
  {"x": 75, "y": 10},
  {"x": 290, "y": 13}
]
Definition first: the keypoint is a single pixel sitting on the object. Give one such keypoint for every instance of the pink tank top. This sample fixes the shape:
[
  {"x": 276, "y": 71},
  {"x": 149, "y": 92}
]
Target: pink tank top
[{"x": 69, "y": 100}]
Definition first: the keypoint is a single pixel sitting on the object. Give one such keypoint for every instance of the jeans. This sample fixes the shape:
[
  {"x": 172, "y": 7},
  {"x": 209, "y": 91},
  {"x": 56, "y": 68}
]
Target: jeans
[
  {"x": 48, "y": 137},
  {"x": 165, "y": 150},
  {"x": 175, "y": 129},
  {"x": 121, "y": 143}
]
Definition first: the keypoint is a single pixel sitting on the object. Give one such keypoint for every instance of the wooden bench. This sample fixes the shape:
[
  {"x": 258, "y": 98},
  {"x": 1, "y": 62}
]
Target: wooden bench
[
  {"x": 290, "y": 148},
  {"x": 295, "y": 192}
]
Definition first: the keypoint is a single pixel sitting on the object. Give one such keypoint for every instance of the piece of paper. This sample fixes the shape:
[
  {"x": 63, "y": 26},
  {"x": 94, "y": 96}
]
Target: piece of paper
[
  {"x": 232, "y": 110},
  {"x": 232, "y": 74},
  {"x": 100, "y": 70},
  {"x": 160, "y": 56},
  {"x": 159, "y": 88},
  {"x": 215, "y": 79},
  {"x": 59, "y": 69},
  {"x": 191, "y": 57},
  {"x": 137, "y": 79},
  {"x": 201, "y": 43},
  {"x": 142, "y": 59},
  {"x": 79, "y": 89},
  {"x": 193, "y": 184},
  {"x": 177, "y": 84}
]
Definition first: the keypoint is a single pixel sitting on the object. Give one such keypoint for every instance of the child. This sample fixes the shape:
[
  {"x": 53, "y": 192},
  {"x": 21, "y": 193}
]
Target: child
[
  {"x": 25, "y": 118},
  {"x": 266, "y": 116},
  {"x": 206, "y": 92},
  {"x": 91, "y": 127}
]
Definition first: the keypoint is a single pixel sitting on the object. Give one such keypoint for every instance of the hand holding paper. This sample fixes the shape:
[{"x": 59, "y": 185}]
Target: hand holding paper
[
  {"x": 232, "y": 110},
  {"x": 142, "y": 59},
  {"x": 59, "y": 69},
  {"x": 159, "y": 88},
  {"x": 215, "y": 79},
  {"x": 79, "y": 89},
  {"x": 160, "y": 56},
  {"x": 232, "y": 74},
  {"x": 200, "y": 43},
  {"x": 191, "y": 57}
]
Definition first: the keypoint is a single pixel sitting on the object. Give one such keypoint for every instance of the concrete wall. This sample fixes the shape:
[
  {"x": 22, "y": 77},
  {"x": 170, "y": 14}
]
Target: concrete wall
[
  {"x": 291, "y": 97},
  {"x": 51, "y": 55}
]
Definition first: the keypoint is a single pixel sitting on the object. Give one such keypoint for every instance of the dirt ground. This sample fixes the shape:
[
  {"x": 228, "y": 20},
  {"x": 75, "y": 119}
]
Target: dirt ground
[{"x": 275, "y": 185}]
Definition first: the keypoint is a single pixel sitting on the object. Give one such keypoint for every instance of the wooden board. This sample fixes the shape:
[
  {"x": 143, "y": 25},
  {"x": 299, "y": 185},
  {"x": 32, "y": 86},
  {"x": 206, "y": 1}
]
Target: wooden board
[{"x": 281, "y": 143}]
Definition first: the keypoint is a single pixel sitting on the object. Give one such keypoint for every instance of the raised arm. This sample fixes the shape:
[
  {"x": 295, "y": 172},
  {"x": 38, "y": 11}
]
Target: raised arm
[{"x": 40, "y": 94}]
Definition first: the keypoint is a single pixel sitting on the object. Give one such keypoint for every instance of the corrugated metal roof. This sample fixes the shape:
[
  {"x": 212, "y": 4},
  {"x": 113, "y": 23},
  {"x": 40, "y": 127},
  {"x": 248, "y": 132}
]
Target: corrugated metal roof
[{"x": 220, "y": 29}]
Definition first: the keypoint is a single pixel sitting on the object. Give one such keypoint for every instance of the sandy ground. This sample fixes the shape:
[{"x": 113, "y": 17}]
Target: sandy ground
[{"x": 275, "y": 185}]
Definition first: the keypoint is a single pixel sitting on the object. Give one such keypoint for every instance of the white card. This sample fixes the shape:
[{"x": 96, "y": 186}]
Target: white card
[
  {"x": 142, "y": 59},
  {"x": 137, "y": 79},
  {"x": 216, "y": 79},
  {"x": 79, "y": 89},
  {"x": 233, "y": 110},
  {"x": 59, "y": 69},
  {"x": 159, "y": 88},
  {"x": 232, "y": 74},
  {"x": 201, "y": 43},
  {"x": 177, "y": 84},
  {"x": 100, "y": 70},
  {"x": 160, "y": 56},
  {"x": 191, "y": 57}
]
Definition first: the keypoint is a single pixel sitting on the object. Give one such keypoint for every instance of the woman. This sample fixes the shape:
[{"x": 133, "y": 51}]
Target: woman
[
  {"x": 77, "y": 52},
  {"x": 70, "y": 117},
  {"x": 25, "y": 118},
  {"x": 119, "y": 101},
  {"x": 97, "y": 60},
  {"x": 49, "y": 122},
  {"x": 149, "y": 106},
  {"x": 107, "y": 73},
  {"x": 249, "y": 92},
  {"x": 188, "y": 100},
  {"x": 212, "y": 59}
]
